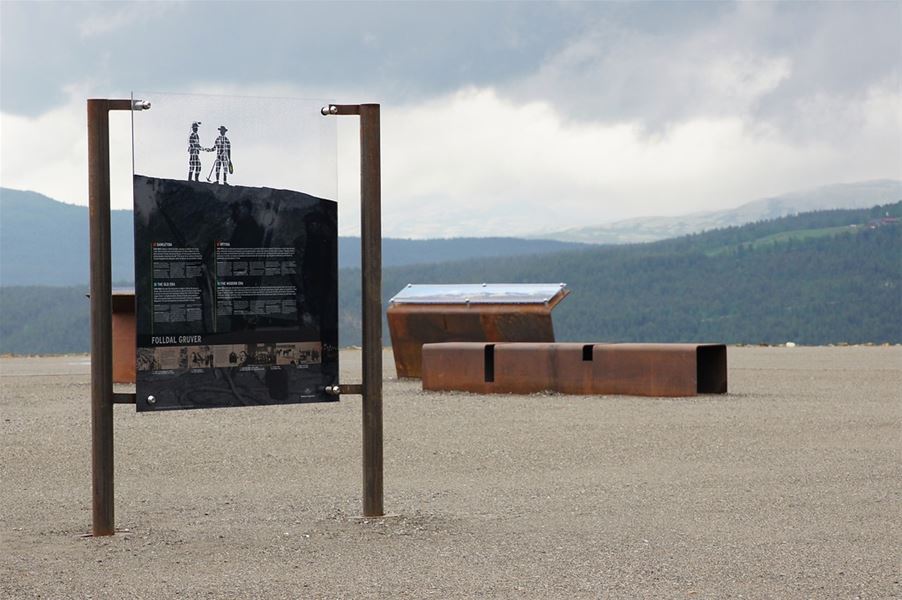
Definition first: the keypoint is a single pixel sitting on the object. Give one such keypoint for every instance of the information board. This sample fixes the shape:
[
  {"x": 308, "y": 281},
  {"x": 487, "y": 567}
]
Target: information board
[{"x": 236, "y": 291}]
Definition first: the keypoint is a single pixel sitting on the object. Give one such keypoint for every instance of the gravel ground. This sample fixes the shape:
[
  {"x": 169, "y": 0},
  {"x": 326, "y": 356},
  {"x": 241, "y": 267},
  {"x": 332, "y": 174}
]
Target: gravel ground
[{"x": 787, "y": 487}]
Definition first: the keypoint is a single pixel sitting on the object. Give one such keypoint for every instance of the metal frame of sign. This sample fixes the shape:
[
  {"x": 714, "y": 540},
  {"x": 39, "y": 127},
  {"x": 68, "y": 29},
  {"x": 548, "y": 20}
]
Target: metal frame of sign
[{"x": 102, "y": 396}]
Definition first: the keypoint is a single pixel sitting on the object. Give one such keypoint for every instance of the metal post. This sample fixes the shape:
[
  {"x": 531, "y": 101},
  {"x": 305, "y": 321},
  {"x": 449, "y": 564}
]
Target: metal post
[
  {"x": 103, "y": 522},
  {"x": 371, "y": 274},
  {"x": 371, "y": 256},
  {"x": 103, "y": 518}
]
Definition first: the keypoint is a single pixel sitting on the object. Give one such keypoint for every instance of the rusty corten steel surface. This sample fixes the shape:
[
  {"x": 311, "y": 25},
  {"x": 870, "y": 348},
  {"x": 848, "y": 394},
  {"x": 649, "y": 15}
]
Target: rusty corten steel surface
[
  {"x": 124, "y": 344},
  {"x": 652, "y": 370},
  {"x": 412, "y": 325},
  {"x": 572, "y": 368},
  {"x": 124, "y": 336}
]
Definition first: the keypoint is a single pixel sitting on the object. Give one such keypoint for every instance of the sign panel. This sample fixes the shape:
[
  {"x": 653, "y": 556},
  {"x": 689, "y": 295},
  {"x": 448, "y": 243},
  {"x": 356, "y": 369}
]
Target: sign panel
[{"x": 236, "y": 290}]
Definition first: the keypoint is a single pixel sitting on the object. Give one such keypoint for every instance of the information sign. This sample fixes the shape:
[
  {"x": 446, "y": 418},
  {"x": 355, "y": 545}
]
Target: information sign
[{"x": 236, "y": 291}]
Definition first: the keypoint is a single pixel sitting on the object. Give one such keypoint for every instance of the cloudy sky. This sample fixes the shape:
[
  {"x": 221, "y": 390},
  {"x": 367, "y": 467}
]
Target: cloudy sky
[{"x": 498, "y": 118}]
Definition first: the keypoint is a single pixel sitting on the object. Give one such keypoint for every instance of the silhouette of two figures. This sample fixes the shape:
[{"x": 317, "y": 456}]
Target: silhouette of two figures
[{"x": 221, "y": 146}]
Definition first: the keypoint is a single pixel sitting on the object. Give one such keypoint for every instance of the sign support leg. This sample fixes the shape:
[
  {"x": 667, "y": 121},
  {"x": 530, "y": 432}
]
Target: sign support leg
[
  {"x": 371, "y": 274},
  {"x": 102, "y": 498},
  {"x": 371, "y": 256},
  {"x": 103, "y": 521}
]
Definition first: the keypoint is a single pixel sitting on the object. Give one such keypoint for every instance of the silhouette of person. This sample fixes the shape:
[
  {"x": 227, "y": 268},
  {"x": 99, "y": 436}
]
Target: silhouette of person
[
  {"x": 223, "y": 155},
  {"x": 248, "y": 233},
  {"x": 194, "y": 149}
]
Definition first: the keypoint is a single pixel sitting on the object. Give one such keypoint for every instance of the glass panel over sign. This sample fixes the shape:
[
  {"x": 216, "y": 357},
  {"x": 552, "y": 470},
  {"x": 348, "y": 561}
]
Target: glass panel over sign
[
  {"x": 236, "y": 252},
  {"x": 479, "y": 293}
]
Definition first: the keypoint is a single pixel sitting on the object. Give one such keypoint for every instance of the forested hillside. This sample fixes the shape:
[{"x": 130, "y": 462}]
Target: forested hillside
[
  {"x": 45, "y": 242},
  {"x": 816, "y": 278},
  {"x": 44, "y": 320},
  {"x": 397, "y": 252},
  {"x": 811, "y": 279}
]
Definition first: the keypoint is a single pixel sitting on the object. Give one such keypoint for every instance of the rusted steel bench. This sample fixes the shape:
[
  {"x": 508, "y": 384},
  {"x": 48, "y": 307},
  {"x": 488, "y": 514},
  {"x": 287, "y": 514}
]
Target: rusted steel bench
[{"x": 571, "y": 368}]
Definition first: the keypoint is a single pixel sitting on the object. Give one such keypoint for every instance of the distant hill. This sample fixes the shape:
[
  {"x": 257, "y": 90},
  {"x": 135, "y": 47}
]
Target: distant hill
[
  {"x": 815, "y": 278},
  {"x": 400, "y": 252},
  {"x": 649, "y": 229},
  {"x": 45, "y": 242},
  {"x": 44, "y": 320}
]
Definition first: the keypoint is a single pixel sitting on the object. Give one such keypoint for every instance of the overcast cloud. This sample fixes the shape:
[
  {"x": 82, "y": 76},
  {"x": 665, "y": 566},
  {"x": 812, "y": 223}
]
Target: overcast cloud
[{"x": 498, "y": 118}]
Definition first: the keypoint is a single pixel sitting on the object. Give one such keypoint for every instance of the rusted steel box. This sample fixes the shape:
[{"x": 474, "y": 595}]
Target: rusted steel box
[
  {"x": 426, "y": 314},
  {"x": 124, "y": 341},
  {"x": 589, "y": 369}
]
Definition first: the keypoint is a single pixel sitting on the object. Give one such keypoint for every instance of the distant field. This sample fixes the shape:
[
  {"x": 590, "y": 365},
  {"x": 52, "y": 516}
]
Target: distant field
[
  {"x": 798, "y": 235},
  {"x": 805, "y": 234}
]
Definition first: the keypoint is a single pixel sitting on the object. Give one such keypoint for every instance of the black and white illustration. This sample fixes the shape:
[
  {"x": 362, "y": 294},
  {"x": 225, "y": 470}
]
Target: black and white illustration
[
  {"x": 223, "y": 161},
  {"x": 282, "y": 143},
  {"x": 194, "y": 150},
  {"x": 223, "y": 148}
]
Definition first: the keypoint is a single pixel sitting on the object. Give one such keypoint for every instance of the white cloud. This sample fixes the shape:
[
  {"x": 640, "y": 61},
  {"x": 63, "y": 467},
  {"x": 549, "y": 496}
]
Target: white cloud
[
  {"x": 767, "y": 63},
  {"x": 614, "y": 73},
  {"x": 48, "y": 153},
  {"x": 476, "y": 163}
]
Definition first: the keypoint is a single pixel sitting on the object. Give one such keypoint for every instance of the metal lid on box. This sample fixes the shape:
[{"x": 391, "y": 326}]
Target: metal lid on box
[{"x": 481, "y": 293}]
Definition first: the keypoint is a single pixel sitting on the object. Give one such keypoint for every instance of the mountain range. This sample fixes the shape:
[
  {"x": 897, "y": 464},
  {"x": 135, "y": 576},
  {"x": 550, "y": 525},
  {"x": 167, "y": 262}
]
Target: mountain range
[
  {"x": 45, "y": 242},
  {"x": 861, "y": 194}
]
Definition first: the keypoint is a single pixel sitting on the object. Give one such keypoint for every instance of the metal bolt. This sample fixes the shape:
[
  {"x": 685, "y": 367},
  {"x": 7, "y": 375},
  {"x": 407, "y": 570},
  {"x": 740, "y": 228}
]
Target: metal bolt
[
  {"x": 140, "y": 105},
  {"x": 151, "y": 400}
]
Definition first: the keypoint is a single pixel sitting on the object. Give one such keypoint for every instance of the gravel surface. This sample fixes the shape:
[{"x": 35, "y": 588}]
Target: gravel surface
[{"x": 787, "y": 487}]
